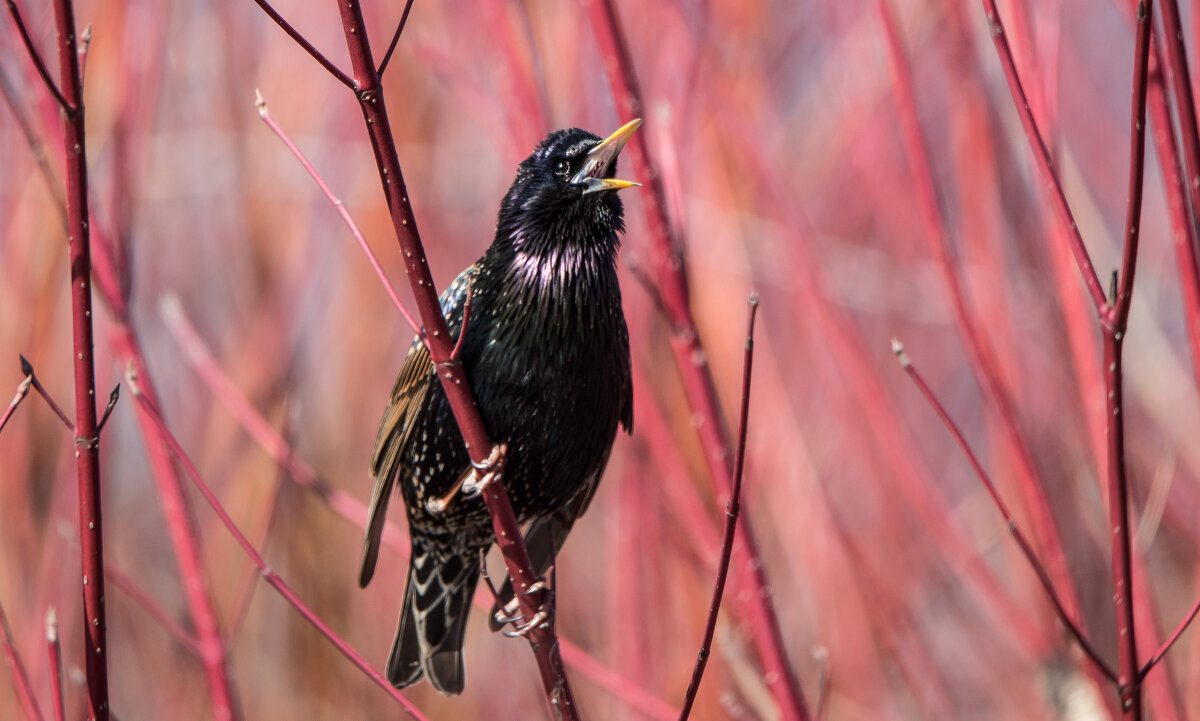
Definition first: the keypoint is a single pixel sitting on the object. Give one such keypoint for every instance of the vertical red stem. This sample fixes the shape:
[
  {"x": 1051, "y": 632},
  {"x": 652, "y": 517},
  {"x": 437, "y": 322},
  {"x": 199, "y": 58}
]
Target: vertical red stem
[
  {"x": 87, "y": 442},
  {"x": 509, "y": 539}
]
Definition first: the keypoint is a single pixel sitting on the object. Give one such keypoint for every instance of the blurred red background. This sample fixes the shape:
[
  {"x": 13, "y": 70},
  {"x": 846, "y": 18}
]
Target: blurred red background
[{"x": 781, "y": 141}]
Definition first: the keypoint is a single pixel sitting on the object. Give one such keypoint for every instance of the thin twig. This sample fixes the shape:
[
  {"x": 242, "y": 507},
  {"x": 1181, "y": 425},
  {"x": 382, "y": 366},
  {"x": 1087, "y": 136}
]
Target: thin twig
[
  {"x": 1041, "y": 154},
  {"x": 36, "y": 57},
  {"x": 54, "y": 652},
  {"x": 700, "y": 388},
  {"x": 395, "y": 38},
  {"x": 108, "y": 409},
  {"x": 269, "y": 575},
  {"x": 22, "y": 391},
  {"x": 27, "y": 369},
  {"x": 300, "y": 40},
  {"x": 20, "y": 676},
  {"x": 338, "y": 206},
  {"x": 732, "y": 509},
  {"x": 1009, "y": 521}
]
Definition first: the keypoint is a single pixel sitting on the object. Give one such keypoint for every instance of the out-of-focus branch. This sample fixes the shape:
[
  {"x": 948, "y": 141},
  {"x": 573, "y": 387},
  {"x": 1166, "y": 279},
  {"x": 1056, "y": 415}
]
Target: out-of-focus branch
[
  {"x": 152, "y": 415},
  {"x": 121, "y": 581},
  {"x": 54, "y": 651},
  {"x": 667, "y": 260},
  {"x": 22, "y": 391},
  {"x": 1009, "y": 521},
  {"x": 20, "y": 676},
  {"x": 732, "y": 509},
  {"x": 979, "y": 351}
]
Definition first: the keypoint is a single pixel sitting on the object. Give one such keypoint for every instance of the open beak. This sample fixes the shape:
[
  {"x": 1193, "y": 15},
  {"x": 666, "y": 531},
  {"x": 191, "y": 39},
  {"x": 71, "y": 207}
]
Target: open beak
[{"x": 600, "y": 159}]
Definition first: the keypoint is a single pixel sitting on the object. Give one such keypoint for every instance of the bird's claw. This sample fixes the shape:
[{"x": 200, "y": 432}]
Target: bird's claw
[
  {"x": 483, "y": 474},
  {"x": 541, "y": 619}
]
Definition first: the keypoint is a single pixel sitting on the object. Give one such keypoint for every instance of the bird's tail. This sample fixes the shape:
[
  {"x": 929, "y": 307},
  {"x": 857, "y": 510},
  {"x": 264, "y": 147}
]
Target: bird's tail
[{"x": 433, "y": 619}]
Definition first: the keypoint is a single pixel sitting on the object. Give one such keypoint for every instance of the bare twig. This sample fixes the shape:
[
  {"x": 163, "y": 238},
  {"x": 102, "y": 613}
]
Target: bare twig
[
  {"x": 732, "y": 509},
  {"x": 300, "y": 40},
  {"x": 20, "y": 676},
  {"x": 108, "y": 409},
  {"x": 339, "y": 207},
  {"x": 27, "y": 369},
  {"x": 395, "y": 37},
  {"x": 1009, "y": 521},
  {"x": 54, "y": 652},
  {"x": 667, "y": 259},
  {"x": 36, "y": 57},
  {"x": 269, "y": 575},
  {"x": 22, "y": 391},
  {"x": 1041, "y": 154}
]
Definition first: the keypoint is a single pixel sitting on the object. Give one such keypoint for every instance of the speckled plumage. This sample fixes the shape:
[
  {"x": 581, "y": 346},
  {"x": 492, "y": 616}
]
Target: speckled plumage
[{"x": 546, "y": 354}]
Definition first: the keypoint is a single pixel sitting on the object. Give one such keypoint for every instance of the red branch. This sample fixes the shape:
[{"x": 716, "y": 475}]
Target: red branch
[
  {"x": 87, "y": 441},
  {"x": 667, "y": 259},
  {"x": 369, "y": 90},
  {"x": 152, "y": 415},
  {"x": 22, "y": 391},
  {"x": 1009, "y": 521},
  {"x": 20, "y": 676},
  {"x": 54, "y": 652},
  {"x": 732, "y": 509}
]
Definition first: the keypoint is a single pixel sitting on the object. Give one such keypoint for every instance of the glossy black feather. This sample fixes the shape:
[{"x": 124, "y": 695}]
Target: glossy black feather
[{"x": 546, "y": 354}]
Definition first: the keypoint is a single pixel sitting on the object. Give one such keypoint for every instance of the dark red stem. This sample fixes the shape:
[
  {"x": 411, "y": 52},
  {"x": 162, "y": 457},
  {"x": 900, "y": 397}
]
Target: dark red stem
[
  {"x": 369, "y": 91},
  {"x": 732, "y": 509},
  {"x": 87, "y": 442}
]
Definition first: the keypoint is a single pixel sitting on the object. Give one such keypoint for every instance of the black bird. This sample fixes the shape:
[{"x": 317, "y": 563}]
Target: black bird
[{"x": 546, "y": 354}]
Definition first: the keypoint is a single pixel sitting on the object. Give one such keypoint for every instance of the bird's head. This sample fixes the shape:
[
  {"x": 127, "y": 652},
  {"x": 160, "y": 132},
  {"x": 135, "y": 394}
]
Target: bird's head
[{"x": 565, "y": 192}]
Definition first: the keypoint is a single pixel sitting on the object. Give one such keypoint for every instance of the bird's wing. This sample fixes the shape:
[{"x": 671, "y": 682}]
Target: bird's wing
[
  {"x": 399, "y": 420},
  {"x": 408, "y": 397}
]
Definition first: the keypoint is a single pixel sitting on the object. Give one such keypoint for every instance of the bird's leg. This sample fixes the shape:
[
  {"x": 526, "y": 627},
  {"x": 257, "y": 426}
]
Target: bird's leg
[
  {"x": 482, "y": 474},
  {"x": 471, "y": 484}
]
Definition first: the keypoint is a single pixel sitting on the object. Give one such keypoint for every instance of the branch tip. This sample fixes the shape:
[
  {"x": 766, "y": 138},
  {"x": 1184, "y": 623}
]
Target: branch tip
[
  {"x": 260, "y": 103},
  {"x": 26, "y": 366},
  {"x": 51, "y": 625},
  {"x": 901, "y": 356}
]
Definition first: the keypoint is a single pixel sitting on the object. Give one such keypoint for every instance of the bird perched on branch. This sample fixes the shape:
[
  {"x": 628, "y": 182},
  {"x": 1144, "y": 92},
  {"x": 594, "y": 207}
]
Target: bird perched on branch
[{"x": 546, "y": 353}]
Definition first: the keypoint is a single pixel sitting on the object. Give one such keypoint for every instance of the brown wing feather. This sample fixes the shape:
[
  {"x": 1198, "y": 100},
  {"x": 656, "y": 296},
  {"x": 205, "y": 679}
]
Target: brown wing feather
[{"x": 408, "y": 396}]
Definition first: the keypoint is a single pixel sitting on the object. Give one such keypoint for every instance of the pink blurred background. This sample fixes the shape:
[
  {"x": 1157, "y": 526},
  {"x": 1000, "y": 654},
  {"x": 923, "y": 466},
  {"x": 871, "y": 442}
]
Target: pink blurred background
[{"x": 779, "y": 135}]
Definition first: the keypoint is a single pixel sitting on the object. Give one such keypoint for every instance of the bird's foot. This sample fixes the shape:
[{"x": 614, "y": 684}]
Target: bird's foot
[
  {"x": 510, "y": 613},
  {"x": 541, "y": 619},
  {"x": 483, "y": 474}
]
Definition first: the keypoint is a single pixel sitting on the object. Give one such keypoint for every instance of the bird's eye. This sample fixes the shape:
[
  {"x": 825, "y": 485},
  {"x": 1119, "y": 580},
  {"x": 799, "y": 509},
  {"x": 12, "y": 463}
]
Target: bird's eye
[{"x": 562, "y": 167}]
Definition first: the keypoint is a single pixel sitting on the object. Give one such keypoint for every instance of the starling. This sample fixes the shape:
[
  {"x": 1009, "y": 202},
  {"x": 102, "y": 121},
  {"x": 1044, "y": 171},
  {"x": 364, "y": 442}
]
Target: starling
[{"x": 546, "y": 354}]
